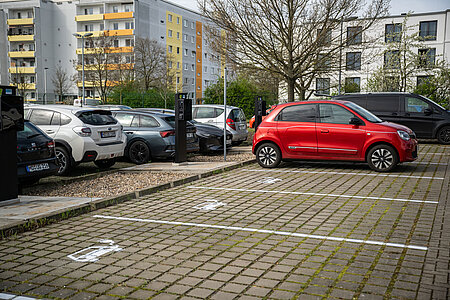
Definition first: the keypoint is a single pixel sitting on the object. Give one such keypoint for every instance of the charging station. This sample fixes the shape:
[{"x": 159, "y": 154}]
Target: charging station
[
  {"x": 260, "y": 110},
  {"x": 11, "y": 121},
  {"x": 183, "y": 113}
]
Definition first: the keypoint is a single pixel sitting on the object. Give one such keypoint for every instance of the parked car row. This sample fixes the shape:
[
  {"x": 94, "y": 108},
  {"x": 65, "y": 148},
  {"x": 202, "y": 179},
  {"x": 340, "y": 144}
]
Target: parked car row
[{"x": 59, "y": 137}]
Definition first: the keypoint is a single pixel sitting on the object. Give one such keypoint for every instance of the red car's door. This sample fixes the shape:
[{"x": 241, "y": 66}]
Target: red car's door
[
  {"x": 335, "y": 136},
  {"x": 297, "y": 130}
]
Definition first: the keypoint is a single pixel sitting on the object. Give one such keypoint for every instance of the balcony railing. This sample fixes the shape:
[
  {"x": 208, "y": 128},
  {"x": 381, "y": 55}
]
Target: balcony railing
[
  {"x": 81, "y": 18},
  {"x": 22, "y": 70},
  {"x": 22, "y": 53},
  {"x": 119, "y": 15},
  {"x": 27, "y": 21},
  {"x": 21, "y": 38}
]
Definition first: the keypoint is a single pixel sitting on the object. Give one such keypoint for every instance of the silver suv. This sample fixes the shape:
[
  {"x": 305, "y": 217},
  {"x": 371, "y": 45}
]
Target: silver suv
[
  {"x": 213, "y": 114},
  {"x": 81, "y": 134}
]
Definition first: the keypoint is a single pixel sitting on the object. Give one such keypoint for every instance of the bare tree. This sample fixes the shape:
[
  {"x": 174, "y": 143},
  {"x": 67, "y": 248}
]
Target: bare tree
[
  {"x": 150, "y": 62},
  {"x": 102, "y": 64},
  {"x": 62, "y": 81},
  {"x": 286, "y": 37},
  {"x": 166, "y": 82}
]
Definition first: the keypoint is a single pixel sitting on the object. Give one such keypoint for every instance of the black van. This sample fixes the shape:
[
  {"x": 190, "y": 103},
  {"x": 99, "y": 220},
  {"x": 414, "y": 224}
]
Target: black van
[{"x": 426, "y": 118}]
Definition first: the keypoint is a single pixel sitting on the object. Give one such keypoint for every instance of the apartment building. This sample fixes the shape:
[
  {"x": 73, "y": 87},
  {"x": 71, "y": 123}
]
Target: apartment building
[
  {"x": 39, "y": 36},
  {"x": 369, "y": 50}
]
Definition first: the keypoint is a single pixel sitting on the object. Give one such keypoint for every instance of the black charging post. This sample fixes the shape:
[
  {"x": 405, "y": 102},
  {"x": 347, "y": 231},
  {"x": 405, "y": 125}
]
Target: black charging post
[
  {"x": 11, "y": 121},
  {"x": 183, "y": 113},
  {"x": 260, "y": 110}
]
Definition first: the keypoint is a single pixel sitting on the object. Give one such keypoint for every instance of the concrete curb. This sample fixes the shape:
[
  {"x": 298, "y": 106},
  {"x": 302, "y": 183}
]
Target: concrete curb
[{"x": 62, "y": 214}]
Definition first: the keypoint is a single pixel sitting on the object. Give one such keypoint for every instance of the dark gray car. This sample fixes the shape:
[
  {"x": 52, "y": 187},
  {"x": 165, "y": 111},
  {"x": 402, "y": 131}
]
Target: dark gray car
[{"x": 152, "y": 135}]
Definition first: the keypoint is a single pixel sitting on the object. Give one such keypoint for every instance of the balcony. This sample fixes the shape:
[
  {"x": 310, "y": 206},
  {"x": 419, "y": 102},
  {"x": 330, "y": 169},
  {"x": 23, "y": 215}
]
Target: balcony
[
  {"x": 102, "y": 67},
  {"x": 119, "y": 32},
  {"x": 120, "y": 15},
  {"x": 94, "y": 33},
  {"x": 89, "y": 50},
  {"x": 27, "y": 86},
  {"x": 82, "y": 18},
  {"x": 21, "y": 38},
  {"x": 24, "y": 54},
  {"x": 120, "y": 50},
  {"x": 22, "y": 70},
  {"x": 27, "y": 21}
]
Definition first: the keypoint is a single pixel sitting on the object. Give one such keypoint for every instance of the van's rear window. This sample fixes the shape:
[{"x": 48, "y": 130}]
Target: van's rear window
[{"x": 96, "y": 117}]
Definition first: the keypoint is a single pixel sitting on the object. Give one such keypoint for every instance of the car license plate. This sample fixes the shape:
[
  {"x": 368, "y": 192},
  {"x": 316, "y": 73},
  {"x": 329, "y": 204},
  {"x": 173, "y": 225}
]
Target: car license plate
[
  {"x": 107, "y": 134},
  {"x": 189, "y": 135},
  {"x": 38, "y": 167}
]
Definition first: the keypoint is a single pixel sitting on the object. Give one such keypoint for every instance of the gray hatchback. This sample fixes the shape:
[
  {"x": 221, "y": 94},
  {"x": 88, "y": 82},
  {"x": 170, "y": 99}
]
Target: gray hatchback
[{"x": 152, "y": 135}]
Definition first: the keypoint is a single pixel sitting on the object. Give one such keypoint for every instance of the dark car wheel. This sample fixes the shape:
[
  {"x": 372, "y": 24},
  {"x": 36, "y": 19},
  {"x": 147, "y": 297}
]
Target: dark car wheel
[
  {"x": 139, "y": 153},
  {"x": 64, "y": 160},
  {"x": 382, "y": 158},
  {"x": 105, "y": 163},
  {"x": 443, "y": 135},
  {"x": 268, "y": 155}
]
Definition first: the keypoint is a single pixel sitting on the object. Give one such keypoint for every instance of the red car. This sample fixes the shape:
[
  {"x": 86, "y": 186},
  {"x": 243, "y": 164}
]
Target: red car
[{"x": 332, "y": 130}]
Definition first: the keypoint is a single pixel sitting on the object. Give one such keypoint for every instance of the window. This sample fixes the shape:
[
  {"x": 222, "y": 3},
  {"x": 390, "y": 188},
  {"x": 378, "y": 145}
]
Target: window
[
  {"x": 208, "y": 112},
  {"x": 185, "y": 23},
  {"x": 354, "y": 35},
  {"x": 185, "y": 66},
  {"x": 352, "y": 84},
  {"x": 428, "y": 30},
  {"x": 89, "y": 27},
  {"x": 423, "y": 80},
  {"x": 116, "y": 43},
  {"x": 384, "y": 103},
  {"x": 298, "y": 113},
  {"x": 323, "y": 85},
  {"x": 334, "y": 114},
  {"x": 323, "y": 62},
  {"x": 192, "y": 67},
  {"x": 391, "y": 83},
  {"x": 169, "y": 17},
  {"x": 205, "y": 69},
  {"x": 206, "y": 55},
  {"x": 178, "y": 20},
  {"x": 185, "y": 37},
  {"x": 178, "y": 80},
  {"x": 178, "y": 50},
  {"x": 101, "y": 10},
  {"x": 170, "y": 49},
  {"x": 127, "y": 8},
  {"x": 192, "y": 25},
  {"x": 193, "y": 53},
  {"x": 178, "y": 35},
  {"x": 127, "y": 42},
  {"x": 89, "y": 11},
  {"x": 185, "y": 52},
  {"x": 178, "y": 65},
  {"x": 324, "y": 37},
  {"x": 41, "y": 117},
  {"x": 115, "y": 9},
  {"x": 392, "y": 59},
  {"x": 170, "y": 64},
  {"x": 56, "y": 120},
  {"x": 415, "y": 105},
  {"x": 30, "y": 14},
  {"x": 192, "y": 39},
  {"x": 393, "y": 33},
  {"x": 102, "y": 27},
  {"x": 124, "y": 119},
  {"x": 427, "y": 57},
  {"x": 32, "y": 79},
  {"x": 115, "y": 26},
  {"x": 169, "y": 33},
  {"x": 129, "y": 25},
  {"x": 147, "y": 121},
  {"x": 353, "y": 61}
]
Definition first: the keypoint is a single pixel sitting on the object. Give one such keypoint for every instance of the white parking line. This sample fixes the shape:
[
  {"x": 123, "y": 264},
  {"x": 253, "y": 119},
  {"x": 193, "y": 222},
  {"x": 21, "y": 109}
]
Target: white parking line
[
  {"x": 310, "y": 194},
  {"x": 344, "y": 173},
  {"x": 302, "y": 235},
  {"x": 434, "y": 153}
]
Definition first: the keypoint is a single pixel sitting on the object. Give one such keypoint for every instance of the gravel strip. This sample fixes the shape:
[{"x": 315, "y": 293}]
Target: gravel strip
[{"x": 122, "y": 182}]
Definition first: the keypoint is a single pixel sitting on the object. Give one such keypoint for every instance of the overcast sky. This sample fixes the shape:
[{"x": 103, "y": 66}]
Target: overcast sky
[{"x": 397, "y": 6}]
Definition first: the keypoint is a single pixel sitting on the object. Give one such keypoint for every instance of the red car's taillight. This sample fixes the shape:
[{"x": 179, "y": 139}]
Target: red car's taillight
[
  {"x": 167, "y": 133},
  {"x": 230, "y": 123}
]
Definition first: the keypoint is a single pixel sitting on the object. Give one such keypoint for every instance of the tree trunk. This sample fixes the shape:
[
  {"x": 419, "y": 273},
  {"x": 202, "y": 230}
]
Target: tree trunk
[{"x": 291, "y": 89}]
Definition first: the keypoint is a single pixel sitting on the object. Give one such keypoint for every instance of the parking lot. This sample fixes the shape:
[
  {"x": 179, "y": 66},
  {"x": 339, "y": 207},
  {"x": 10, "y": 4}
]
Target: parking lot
[{"x": 306, "y": 229}]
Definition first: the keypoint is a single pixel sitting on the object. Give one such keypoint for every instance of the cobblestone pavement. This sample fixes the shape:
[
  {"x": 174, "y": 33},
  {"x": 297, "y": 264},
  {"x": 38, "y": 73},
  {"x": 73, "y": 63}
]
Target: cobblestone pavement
[{"x": 304, "y": 230}]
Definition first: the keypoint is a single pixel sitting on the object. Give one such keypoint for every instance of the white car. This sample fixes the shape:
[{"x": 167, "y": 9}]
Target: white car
[
  {"x": 213, "y": 114},
  {"x": 81, "y": 134}
]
